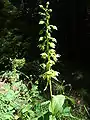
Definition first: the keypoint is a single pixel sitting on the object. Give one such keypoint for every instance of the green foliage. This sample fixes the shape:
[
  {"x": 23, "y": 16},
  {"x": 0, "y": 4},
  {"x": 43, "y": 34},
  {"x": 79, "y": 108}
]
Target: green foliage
[
  {"x": 56, "y": 104},
  {"x": 16, "y": 100},
  {"x": 59, "y": 107},
  {"x": 12, "y": 47},
  {"x": 19, "y": 102},
  {"x": 13, "y": 75},
  {"x": 17, "y": 63}
]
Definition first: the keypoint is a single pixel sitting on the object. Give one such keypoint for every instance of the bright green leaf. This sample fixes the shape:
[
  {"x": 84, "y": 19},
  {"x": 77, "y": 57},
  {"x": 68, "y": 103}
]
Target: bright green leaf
[{"x": 56, "y": 104}]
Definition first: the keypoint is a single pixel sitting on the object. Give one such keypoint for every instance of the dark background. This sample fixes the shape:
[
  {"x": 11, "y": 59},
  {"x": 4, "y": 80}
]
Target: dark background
[{"x": 72, "y": 17}]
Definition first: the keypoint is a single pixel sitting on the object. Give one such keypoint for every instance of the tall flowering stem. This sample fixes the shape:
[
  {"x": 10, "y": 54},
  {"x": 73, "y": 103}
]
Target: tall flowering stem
[{"x": 47, "y": 46}]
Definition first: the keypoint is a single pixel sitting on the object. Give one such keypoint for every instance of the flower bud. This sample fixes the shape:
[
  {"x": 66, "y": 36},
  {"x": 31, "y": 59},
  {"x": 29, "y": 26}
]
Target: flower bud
[
  {"x": 50, "y": 10},
  {"x": 47, "y": 3}
]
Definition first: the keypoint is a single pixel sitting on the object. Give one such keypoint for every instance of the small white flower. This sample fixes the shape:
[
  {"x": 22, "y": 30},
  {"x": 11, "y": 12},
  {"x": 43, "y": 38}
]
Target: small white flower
[
  {"x": 41, "y": 22},
  {"x": 47, "y": 3},
  {"x": 40, "y": 6},
  {"x": 58, "y": 55}
]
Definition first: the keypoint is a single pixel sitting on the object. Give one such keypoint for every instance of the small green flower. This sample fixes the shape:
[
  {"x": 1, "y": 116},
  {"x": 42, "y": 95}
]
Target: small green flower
[{"x": 47, "y": 45}]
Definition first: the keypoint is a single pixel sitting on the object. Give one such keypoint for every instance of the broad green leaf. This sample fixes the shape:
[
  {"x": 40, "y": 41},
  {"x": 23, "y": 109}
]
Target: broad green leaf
[{"x": 56, "y": 104}]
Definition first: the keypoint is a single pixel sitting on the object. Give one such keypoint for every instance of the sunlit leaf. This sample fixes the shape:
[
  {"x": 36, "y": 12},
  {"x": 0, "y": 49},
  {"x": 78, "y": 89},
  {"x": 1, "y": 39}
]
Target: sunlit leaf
[{"x": 56, "y": 104}]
